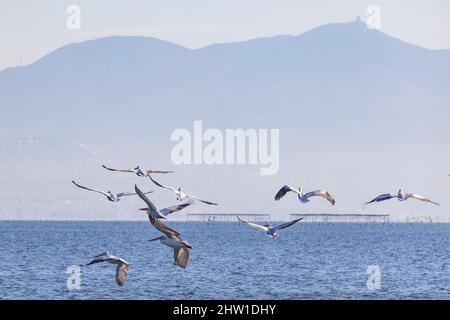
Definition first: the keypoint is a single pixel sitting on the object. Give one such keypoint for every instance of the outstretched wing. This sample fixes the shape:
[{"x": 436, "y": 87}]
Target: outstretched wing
[
  {"x": 125, "y": 194},
  {"x": 254, "y": 225},
  {"x": 287, "y": 224},
  {"x": 121, "y": 273},
  {"x": 204, "y": 201},
  {"x": 181, "y": 257},
  {"x": 86, "y": 188},
  {"x": 120, "y": 170},
  {"x": 161, "y": 185},
  {"x": 97, "y": 260},
  {"x": 158, "y": 171},
  {"x": 285, "y": 189},
  {"x": 172, "y": 209},
  {"x": 321, "y": 193},
  {"x": 381, "y": 197},
  {"x": 102, "y": 257},
  {"x": 143, "y": 197},
  {"x": 421, "y": 198},
  {"x": 170, "y": 233}
]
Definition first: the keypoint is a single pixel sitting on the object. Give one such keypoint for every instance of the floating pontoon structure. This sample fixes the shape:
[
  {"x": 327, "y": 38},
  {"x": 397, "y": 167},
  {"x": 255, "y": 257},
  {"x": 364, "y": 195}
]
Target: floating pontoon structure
[
  {"x": 336, "y": 217},
  {"x": 212, "y": 217}
]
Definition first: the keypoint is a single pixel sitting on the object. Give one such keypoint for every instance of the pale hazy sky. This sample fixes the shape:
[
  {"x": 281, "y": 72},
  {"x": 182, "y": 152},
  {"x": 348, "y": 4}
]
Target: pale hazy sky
[{"x": 30, "y": 29}]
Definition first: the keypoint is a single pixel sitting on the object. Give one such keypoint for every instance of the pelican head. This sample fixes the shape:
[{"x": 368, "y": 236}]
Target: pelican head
[
  {"x": 112, "y": 197},
  {"x": 273, "y": 234},
  {"x": 400, "y": 195},
  {"x": 187, "y": 244},
  {"x": 267, "y": 225},
  {"x": 179, "y": 194}
]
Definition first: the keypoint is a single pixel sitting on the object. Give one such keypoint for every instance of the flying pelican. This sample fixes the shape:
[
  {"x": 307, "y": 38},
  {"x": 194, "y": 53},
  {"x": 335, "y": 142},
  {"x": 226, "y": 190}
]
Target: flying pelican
[
  {"x": 172, "y": 239},
  {"x": 122, "y": 266},
  {"x": 400, "y": 197},
  {"x": 152, "y": 211},
  {"x": 179, "y": 194},
  {"x": 272, "y": 232},
  {"x": 138, "y": 171},
  {"x": 304, "y": 197},
  {"x": 114, "y": 197}
]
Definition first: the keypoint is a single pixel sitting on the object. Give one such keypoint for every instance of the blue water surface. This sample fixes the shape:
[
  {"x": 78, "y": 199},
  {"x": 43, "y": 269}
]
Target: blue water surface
[{"x": 228, "y": 261}]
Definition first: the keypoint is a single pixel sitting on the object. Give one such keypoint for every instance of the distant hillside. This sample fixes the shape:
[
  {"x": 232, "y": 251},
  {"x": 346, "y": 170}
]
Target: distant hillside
[{"x": 346, "y": 99}]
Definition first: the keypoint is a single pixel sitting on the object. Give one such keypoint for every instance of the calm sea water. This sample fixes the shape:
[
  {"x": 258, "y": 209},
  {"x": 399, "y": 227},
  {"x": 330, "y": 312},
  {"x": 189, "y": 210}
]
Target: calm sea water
[{"x": 228, "y": 261}]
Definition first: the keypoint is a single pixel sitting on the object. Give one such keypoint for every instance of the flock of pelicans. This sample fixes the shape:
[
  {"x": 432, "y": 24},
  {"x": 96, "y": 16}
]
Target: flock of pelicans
[{"x": 173, "y": 239}]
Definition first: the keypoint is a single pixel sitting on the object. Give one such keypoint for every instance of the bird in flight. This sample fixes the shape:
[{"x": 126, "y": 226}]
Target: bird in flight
[
  {"x": 137, "y": 170},
  {"x": 271, "y": 231},
  {"x": 152, "y": 211},
  {"x": 114, "y": 197},
  {"x": 121, "y": 269},
  {"x": 400, "y": 196},
  {"x": 172, "y": 238},
  {"x": 304, "y": 197},
  {"x": 180, "y": 195}
]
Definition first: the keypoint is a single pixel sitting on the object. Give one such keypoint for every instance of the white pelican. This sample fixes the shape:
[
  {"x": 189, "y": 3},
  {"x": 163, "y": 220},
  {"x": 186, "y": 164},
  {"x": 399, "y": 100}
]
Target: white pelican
[
  {"x": 172, "y": 239},
  {"x": 122, "y": 266},
  {"x": 152, "y": 211},
  {"x": 138, "y": 171},
  {"x": 179, "y": 194},
  {"x": 114, "y": 197},
  {"x": 304, "y": 197},
  {"x": 400, "y": 197},
  {"x": 272, "y": 232}
]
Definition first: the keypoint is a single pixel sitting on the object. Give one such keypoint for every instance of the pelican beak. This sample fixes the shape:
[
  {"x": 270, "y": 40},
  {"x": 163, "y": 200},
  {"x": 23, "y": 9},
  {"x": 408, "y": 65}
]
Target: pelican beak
[{"x": 143, "y": 209}]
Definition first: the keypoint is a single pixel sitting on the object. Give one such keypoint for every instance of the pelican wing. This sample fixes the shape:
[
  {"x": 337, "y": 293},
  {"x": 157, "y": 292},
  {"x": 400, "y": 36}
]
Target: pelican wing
[
  {"x": 285, "y": 189},
  {"x": 172, "y": 209},
  {"x": 181, "y": 257},
  {"x": 120, "y": 170},
  {"x": 102, "y": 257},
  {"x": 106, "y": 253},
  {"x": 161, "y": 185},
  {"x": 287, "y": 224},
  {"x": 421, "y": 198},
  {"x": 254, "y": 225},
  {"x": 204, "y": 201},
  {"x": 126, "y": 194},
  {"x": 86, "y": 188},
  {"x": 381, "y": 197},
  {"x": 97, "y": 260},
  {"x": 321, "y": 193},
  {"x": 170, "y": 233},
  {"x": 121, "y": 272},
  {"x": 146, "y": 200},
  {"x": 158, "y": 171}
]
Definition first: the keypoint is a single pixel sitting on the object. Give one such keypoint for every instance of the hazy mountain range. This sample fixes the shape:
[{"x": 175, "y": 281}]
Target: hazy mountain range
[{"x": 359, "y": 112}]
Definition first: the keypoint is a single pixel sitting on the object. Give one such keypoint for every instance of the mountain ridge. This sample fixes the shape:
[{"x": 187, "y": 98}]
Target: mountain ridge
[{"x": 356, "y": 109}]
